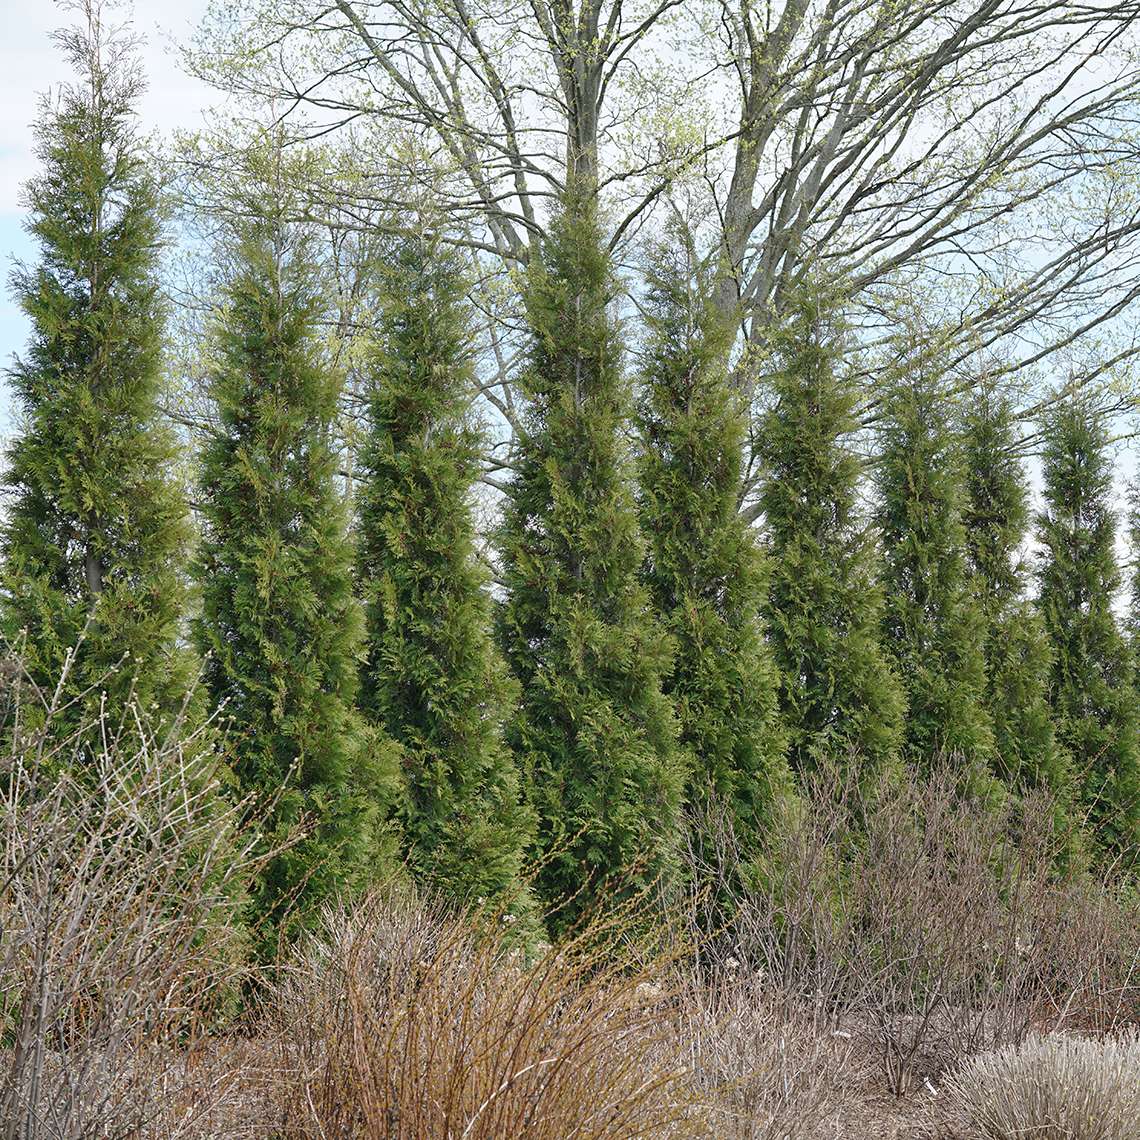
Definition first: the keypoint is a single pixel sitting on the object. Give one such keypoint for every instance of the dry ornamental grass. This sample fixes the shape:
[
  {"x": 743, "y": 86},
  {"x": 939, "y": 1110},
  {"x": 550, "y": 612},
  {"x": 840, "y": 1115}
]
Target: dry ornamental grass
[
  {"x": 1054, "y": 1087},
  {"x": 402, "y": 1024}
]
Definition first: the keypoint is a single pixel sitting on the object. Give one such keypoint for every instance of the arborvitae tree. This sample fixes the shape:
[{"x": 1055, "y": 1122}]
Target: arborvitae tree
[
  {"x": 932, "y": 624},
  {"x": 595, "y": 733},
  {"x": 841, "y": 700},
  {"x": 704, "y": 569},
  {"x": 279, "y": 623},
  {"x": 1091, "y": 686},
  {"x": 433, "y": 678},
  {"x": 1132, "y": 619},
  {"x": 1132, "y": 624},
  {"x": 96, "y": 528},
  {"x": 1015, "y": 646}
]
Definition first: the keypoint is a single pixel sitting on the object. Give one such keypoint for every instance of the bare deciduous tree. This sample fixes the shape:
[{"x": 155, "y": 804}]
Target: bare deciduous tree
[{"x": 963, "y": 167}]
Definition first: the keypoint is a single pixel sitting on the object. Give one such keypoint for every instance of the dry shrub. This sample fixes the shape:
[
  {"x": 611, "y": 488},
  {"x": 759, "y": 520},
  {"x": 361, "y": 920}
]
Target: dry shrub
[
  {"x": 1054, "y": 1088},
  {"x": 402, "y": 1021},
  {"x": 762, "y": 1070},
  {"x": 929, "y": 926},
  {"x": 121, "y": 870},
  {"x": 1088, "y": 948}
]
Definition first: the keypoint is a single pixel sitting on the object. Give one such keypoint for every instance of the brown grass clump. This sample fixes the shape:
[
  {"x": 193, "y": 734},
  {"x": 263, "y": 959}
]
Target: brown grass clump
[
  {"x": 402, "y": 1023},
  {"x": 1054, "y": 1088}
]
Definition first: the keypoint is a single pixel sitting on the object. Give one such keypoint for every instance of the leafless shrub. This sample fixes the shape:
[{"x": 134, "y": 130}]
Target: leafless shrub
[
  {"x": 1055, "y": 1087},
  {"x": 405, "y": 1022},
  {"x": 121, "y": 871},
  {"x": 928, "y": 926},
  {"x": 762, "y": 1070}
]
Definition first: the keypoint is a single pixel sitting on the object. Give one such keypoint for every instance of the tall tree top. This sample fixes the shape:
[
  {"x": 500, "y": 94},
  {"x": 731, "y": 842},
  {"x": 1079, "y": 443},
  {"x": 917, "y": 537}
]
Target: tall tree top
[{"x": 96, "y": 528}]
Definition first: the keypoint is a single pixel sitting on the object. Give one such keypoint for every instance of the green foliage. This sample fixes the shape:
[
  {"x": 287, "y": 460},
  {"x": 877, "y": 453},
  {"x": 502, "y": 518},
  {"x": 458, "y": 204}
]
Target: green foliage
[
  {"x": 704, "y": 570},
  {"x": 841, "y": 701},
  {"x": 95, "y": 529},
  {"x": 1015, "y": 646},
  {"x": 932, "y": 623},
  {"x": 1132, "y": 622},
  {"x": 279, "y": 622},
  {"x": 433, "y": 679},
  {"x": 594, "y": 733},
  {"x": 1091, "y": 683}
]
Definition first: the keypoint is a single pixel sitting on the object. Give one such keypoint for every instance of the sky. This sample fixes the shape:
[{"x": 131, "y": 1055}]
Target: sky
[{"x": 30, "y": 65}]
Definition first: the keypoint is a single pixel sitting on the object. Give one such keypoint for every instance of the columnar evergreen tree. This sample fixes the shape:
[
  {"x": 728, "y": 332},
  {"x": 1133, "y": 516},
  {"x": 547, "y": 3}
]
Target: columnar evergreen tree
[
  {"x": 704, "y": 569},
  {"x": 96, "y": 528},
  {"x": 841, "y": 700},
  {"x": 595, "y": 733},
  {"x": 1132, "y": 625},
  {"x": 1091, "y": 684},
  {"x": 932, "y": 624},
  {"x": 1015, "y": 646},
  {"x": 279, "y": 624},
  {"x": 1132, "y": 619},
  {"x": 433, "y": 679}
]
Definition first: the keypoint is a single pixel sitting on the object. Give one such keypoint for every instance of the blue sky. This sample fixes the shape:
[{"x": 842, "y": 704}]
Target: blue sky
[{"x": 30, "y": 65}]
